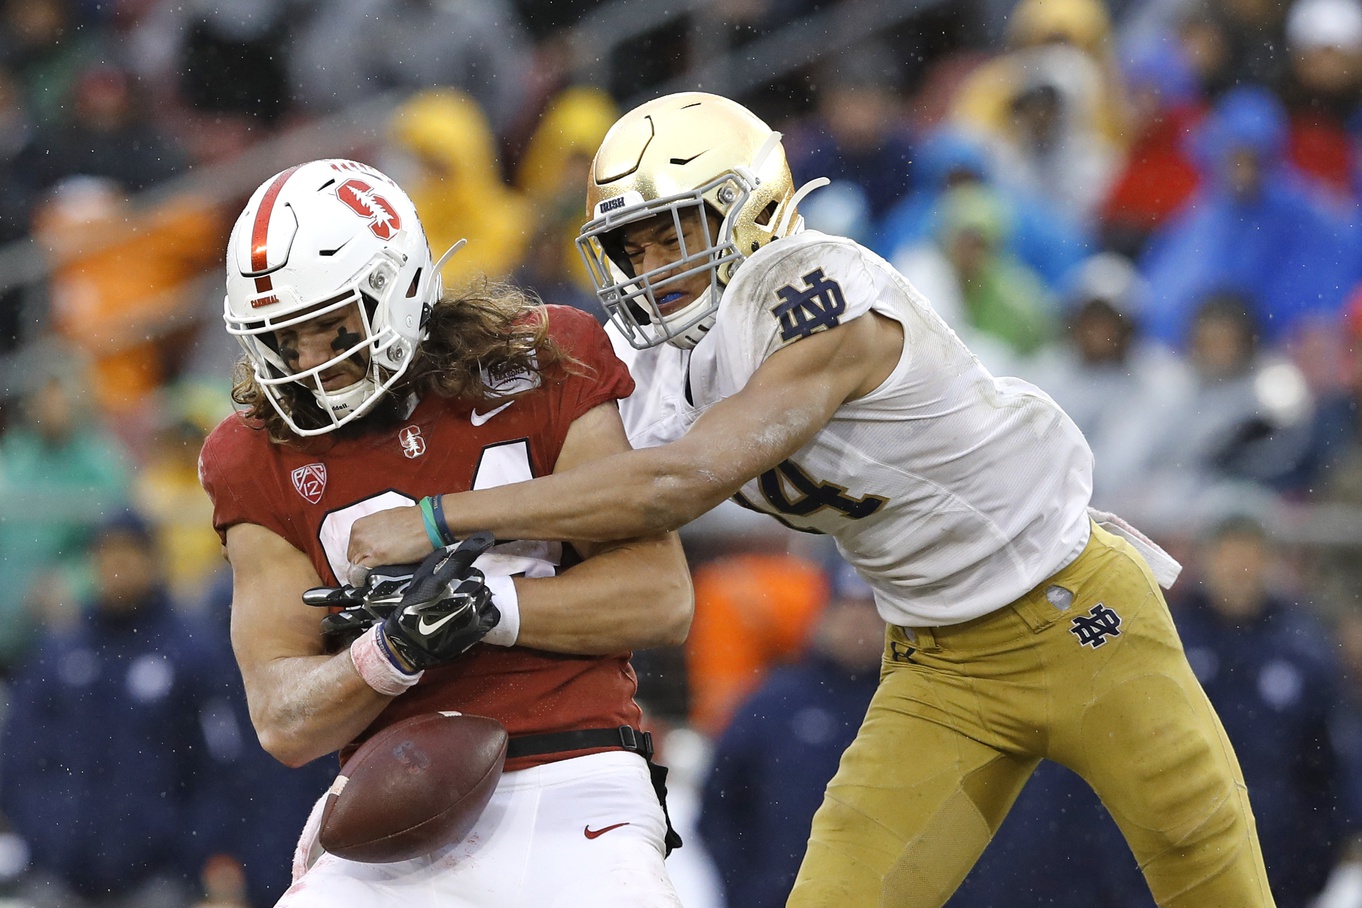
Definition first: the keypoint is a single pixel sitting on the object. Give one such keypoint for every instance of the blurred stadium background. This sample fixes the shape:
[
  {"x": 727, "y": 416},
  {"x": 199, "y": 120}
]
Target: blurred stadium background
[{"x": 1150, "y": 208}]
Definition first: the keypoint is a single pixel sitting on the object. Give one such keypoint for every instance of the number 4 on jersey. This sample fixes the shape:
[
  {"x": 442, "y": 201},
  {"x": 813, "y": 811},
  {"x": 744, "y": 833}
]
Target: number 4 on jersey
[{"x": 811, "y": 495}]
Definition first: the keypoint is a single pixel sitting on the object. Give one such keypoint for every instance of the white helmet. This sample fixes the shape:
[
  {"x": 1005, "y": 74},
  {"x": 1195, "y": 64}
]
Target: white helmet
[
  {"x": 686, "y": 152},
  {"x": 315, "y": 238}
]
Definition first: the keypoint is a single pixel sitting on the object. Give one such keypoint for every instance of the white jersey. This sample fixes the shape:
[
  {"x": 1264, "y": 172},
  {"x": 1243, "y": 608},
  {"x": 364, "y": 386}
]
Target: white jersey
[{"x": 951, "y": 491}]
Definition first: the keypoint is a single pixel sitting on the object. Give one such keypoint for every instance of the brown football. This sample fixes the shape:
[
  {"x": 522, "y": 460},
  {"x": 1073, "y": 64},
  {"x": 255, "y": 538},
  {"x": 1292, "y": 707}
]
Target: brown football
[{"x": 414, "y": 787}]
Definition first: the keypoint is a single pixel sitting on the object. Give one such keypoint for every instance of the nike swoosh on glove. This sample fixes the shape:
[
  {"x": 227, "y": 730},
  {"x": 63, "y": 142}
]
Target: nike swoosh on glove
[{"x": 444, "y": 611}]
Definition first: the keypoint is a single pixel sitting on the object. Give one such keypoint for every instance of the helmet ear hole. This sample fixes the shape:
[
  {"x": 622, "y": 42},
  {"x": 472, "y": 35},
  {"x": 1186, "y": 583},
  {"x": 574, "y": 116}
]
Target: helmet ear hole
[
  {"x": 415, "y": 283},
  {"x": 370, "y": 306},
  {"x": 763, "y": 218},
  {"x": 612, "y": 244}
]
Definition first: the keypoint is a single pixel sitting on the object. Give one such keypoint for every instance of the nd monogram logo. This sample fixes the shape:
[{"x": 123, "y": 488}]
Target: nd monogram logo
[
  {"x": 802, "y": 312},
  {"x": 1096, "y": 626},
  {"x": 413, "y": 445},
  {"x": 310, "y": 481}
]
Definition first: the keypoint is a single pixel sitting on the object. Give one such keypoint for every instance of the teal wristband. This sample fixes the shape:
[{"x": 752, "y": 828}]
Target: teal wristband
[
  {"x": 437, "y": 513},
  {"x": 428, "y": 519}
]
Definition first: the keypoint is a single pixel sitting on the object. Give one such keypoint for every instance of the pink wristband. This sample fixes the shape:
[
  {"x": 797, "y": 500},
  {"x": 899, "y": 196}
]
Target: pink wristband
[{"x": 374, "y": 666}]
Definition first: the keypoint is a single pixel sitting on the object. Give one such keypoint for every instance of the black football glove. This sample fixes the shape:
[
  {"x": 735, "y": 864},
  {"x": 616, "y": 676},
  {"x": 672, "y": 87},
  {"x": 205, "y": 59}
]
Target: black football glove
[
  {"x": 362, "y": 606},
  {"x": 445, "y": 610}
]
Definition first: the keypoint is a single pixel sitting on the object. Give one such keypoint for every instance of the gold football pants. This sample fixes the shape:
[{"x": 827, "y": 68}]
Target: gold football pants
[{"x": 1086, "y": 670}]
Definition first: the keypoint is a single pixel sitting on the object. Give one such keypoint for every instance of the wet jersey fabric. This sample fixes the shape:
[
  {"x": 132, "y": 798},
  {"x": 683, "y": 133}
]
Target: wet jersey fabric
[
  {"x": 952, "y": 491},
  {"x": 311, "y": 496}
]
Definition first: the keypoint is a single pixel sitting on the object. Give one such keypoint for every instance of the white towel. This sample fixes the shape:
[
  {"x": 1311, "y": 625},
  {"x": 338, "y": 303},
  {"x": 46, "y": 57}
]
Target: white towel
[{"x": 1163, "y": 565}]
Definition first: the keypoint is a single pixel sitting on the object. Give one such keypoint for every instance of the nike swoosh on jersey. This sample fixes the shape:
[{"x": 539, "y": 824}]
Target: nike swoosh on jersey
[
  {"x": 593, "y": 833},
  {"x": 432, "y": 627},
  {"x": 478, "y": 419}
]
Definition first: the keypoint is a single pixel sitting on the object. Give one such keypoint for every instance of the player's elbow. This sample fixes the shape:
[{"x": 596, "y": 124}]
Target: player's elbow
[
  {"x": 676, "y": 609},
  {"x": 675, "y": 630},
  {"x": 294, "y": 761},
  {"x": 677, "y": 494},
  {"x": 287, "y": 745},
  {"x": 285, "y": 748}
]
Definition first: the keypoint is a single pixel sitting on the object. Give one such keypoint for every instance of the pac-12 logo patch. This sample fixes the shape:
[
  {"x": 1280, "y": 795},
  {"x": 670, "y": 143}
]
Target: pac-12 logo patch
[
  {"x": 310, "y": 481},
  {"x": 360, "y": 198},
  {"x": 1096, "y": 626},
  {"x": 818, "y": 305},
  {"x": 413, "y": 445}
]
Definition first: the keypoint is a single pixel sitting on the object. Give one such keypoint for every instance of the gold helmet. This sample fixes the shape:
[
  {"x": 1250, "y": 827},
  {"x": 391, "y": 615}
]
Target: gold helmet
[{"x": 687, "y": 153}]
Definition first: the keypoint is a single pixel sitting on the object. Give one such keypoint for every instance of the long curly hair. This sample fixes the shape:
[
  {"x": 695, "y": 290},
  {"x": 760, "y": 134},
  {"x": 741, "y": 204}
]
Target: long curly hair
[{"x": 488, "y": 331}]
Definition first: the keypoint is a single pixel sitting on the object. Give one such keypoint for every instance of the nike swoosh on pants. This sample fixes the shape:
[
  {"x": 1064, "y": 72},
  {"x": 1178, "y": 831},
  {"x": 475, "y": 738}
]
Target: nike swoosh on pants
[{"x": 593, "y": 833}]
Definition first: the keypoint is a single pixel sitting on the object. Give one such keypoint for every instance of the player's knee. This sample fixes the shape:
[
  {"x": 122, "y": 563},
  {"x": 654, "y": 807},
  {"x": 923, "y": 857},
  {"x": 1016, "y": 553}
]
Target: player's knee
[{"x": 1198, "y": 836}]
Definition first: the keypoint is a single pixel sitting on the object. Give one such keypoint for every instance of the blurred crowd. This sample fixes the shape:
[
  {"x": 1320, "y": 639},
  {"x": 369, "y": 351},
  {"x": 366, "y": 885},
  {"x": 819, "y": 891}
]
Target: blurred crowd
[{"x": 1149, "y": 208}]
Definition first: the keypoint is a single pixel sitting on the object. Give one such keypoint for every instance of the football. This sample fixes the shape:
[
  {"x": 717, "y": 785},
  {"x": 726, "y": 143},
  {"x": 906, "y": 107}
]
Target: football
[{"x": 414, "y": 787}]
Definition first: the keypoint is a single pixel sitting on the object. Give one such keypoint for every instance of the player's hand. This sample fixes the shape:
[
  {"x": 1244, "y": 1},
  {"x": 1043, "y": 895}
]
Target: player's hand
[
  {"x": 364, "y": 605},
  {"x": 444, "y": 611},
  {"x": 393, "y": 536}
]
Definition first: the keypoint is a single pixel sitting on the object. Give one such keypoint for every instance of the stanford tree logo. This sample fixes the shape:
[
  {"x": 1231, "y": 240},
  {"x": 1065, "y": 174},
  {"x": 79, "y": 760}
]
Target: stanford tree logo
[
  {"x": 413, "y": 445},
  {"x": 360, "y": 198}
]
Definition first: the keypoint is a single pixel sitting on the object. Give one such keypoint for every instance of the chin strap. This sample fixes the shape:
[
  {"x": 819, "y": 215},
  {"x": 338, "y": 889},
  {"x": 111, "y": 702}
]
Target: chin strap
[{"x": 352, "y": 399}]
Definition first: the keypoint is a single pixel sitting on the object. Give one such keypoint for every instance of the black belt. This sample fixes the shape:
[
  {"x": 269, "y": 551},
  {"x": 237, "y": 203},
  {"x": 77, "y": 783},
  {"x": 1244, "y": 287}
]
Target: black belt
[{"x": 623, "y": 738}]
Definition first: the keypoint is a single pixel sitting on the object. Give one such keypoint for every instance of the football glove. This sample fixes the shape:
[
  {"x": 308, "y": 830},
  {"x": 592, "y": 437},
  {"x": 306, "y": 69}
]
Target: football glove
[
  {"x": 444, "y": 610},
  {"x": 364, "y": 606}
]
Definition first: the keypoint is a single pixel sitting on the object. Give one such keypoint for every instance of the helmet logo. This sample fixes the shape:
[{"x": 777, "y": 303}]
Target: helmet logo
[
  {"x": 618, "y": 203},
  {"x": 310, "y": 481},
  {"x": 359, "y": 197},
  {"x": 413, "y": 445}
]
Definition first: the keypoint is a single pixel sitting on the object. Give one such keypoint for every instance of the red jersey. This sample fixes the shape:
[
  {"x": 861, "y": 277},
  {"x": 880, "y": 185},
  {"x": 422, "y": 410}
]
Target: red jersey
[{"x": 311, "y": 496}]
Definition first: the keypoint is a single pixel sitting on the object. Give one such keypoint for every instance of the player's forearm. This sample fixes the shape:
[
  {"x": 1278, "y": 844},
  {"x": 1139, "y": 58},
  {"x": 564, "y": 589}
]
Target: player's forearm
[
  {"x": 304, "y": 703},
  {"x": 628, "y": 495},
  {"x": 660, "y": 489},
  {"x": 304, "y": 707},
  {"x": 631, "y": 597}
]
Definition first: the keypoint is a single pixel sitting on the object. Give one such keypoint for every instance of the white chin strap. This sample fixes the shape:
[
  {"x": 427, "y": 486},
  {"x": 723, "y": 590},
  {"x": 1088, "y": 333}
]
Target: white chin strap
[
  {"x": 348, "y": 401},
  {"x": 692, "y": 335}
]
